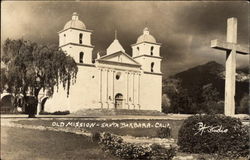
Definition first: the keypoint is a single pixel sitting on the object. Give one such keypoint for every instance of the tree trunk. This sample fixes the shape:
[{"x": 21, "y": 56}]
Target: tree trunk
[
  {"x": 36, "y": 93},
  {"x": 31, "y": 103}
]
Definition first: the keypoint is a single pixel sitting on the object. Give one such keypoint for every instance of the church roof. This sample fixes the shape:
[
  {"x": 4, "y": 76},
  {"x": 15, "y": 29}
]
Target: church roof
[
  {"x": 75, "y": 23},
  {"x": 119, "y": 57},
  {"x": 114, "y": 47},
  {"x": 146, "y": 37}
]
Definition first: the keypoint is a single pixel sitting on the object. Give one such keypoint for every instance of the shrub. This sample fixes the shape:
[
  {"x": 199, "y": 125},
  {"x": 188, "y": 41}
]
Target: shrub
[
  {"x": 115, "y": 145},
  {"x": 96, "y": 136},
  {"x": 164, "y": 132},
  {"x": 201, "y": 158},
  {"x": 243, "y": 108},
  {"x": 55, "y": 113},
  {"x": 161, "y": 153},
  {"x": 61, "y": 113},
  {"x": 218, "y": 134}
]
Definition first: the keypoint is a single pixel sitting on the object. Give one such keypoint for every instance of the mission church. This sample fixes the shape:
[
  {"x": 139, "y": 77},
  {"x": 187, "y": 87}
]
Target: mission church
[{"x": 113, "y": 81}]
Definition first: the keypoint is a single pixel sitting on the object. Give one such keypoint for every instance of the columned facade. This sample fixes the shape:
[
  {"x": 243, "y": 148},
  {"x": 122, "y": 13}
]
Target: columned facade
[
  {"x": 112, "y": 81},
  {"x": 127, "y": 86}
]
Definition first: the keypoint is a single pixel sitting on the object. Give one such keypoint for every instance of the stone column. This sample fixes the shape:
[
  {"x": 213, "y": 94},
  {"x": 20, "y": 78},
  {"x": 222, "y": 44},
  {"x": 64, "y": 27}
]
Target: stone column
[
  {"x": 100, "y": 87},
  {"x": 133, "y": 91},
  {"x": 127, "y": 90},
  {"x": 39, "y": 106},
  {"x": 139, "y": 90},
  {"x": 111, "y": 103},
  {"x": 107, "y": 89}
]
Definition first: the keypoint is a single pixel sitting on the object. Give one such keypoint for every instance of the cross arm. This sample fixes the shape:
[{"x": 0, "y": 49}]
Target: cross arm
[
  {"x": 226, "y": 46},
  {"x": 242, "y": 49}
]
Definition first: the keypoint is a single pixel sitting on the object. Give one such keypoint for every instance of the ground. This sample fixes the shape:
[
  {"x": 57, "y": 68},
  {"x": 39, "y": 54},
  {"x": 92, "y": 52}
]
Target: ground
[
  {"x": 43, "y": 138},
  {"x": 110, "y": 126},
  {"x": 25, "y": 144}
]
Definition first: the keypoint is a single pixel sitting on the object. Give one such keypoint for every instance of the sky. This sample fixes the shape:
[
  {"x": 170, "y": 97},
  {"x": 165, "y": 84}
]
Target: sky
[{"x": 184, "y": 29}]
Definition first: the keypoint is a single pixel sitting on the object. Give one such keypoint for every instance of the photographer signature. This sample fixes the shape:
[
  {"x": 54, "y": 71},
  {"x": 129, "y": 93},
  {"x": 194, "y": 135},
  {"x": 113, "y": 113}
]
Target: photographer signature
[{"x": 202, "y": 128}]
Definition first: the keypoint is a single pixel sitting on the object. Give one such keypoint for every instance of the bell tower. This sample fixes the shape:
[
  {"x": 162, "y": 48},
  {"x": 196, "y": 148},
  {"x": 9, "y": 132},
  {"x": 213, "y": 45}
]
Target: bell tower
[
  {"x": 146, "y": 51},
  {"x": 75, "y": 40}
]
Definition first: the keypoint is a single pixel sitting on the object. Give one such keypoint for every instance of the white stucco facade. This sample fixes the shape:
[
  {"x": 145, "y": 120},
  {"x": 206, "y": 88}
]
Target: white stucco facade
[{"x": 115, "y": 80}]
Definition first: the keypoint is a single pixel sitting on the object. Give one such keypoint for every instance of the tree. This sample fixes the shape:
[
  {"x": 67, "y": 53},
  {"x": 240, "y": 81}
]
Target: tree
[
  {"x": 3, "y": 79},
  {"x": 165, "y": 103},
  {"x": 243, "y": 108},
  {"x": 210, "y": 98},
  {"x": 195, "y": 100},
  {"x": 31, "y": 67},
  {"x": 180, "y": 102},
  {"x": 170, "y": 91}
]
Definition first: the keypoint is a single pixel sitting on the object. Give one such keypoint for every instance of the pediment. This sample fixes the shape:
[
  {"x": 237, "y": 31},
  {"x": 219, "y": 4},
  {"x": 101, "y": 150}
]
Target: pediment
[{"x": 119, "y": 57}]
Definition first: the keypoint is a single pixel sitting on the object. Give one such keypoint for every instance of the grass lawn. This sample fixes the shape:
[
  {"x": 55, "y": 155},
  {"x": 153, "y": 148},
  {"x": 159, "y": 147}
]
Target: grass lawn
[
  {"x": 108, "y": 127},
  {"x": 29, "y": 144}
]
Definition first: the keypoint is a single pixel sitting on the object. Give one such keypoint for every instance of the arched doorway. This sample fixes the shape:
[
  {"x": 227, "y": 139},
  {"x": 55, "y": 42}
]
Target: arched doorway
[
  {"x": 43, "y": 103},
  {"x": 118, "y": 101}
]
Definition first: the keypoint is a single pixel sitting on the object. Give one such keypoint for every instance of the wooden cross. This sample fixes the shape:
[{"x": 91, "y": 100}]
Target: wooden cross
[{"x": 231, "y": 47}]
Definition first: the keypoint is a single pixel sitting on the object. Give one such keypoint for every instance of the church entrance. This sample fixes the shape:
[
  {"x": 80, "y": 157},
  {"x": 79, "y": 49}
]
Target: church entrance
[
  {"x": 118, "y": 101},
  {"x": 43, "y": 104}
]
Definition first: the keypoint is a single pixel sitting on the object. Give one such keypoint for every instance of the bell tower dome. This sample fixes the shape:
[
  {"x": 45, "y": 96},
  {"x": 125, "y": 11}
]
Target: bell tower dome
[
  {"x": 75, "y": 40},
  {"x": 146, "y": 51}
]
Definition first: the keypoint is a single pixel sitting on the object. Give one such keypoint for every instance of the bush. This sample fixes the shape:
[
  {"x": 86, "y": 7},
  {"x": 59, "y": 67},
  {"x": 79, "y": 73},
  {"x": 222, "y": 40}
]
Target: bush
[
  {"x": 115, "y": 145},
  {"x": 61, "y": 113},
  {"x": 214, "y": 134},
  {"x": 96, "y": 136},
  {"x": 243, "y": 108},
  {"x": 161, "y": 153},
  {"x": 164, "y": 132},
  {"x": 55, "y": 113}
]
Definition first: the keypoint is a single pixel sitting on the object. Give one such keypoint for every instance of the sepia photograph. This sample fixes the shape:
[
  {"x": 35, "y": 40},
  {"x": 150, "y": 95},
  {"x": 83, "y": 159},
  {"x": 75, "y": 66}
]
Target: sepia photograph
[{"x": 125, "y": 80}]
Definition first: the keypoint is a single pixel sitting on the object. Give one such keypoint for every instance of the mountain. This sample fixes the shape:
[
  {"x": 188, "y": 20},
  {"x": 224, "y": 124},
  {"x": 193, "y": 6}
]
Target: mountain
[{"x": 214, "y": 73}]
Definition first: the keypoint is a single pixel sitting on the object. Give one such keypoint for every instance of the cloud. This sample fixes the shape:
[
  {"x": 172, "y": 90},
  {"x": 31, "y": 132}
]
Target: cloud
[{"x": 185, "y": 29}]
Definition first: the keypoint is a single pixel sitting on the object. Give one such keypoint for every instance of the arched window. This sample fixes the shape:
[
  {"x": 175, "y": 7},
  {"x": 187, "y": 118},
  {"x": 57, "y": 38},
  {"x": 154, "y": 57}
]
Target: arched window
[
  {"x": 118, "y": 75},
  {"x": 80, "y": 38},
  {"x": 81, "y": 57},
  {"x": 64, "y": 38},
  {"x": 152, "y": 66},
  {"x": 152, "y": 48},
  {"x": 138, "y": 51}
]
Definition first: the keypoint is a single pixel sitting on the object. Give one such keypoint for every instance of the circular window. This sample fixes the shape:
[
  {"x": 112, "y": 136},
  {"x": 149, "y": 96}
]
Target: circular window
[{"x": 118, "y": 75}]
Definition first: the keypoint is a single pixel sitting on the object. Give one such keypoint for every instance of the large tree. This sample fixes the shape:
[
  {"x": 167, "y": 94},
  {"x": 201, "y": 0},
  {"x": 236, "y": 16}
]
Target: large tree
[
  {"x": 198, "y": 99},
  {"x": 180, "y": 102},
  {"x": 31, "y": 67},
  {"x": 243, "y": 108},
  {"x": 210, "y": 97}
]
